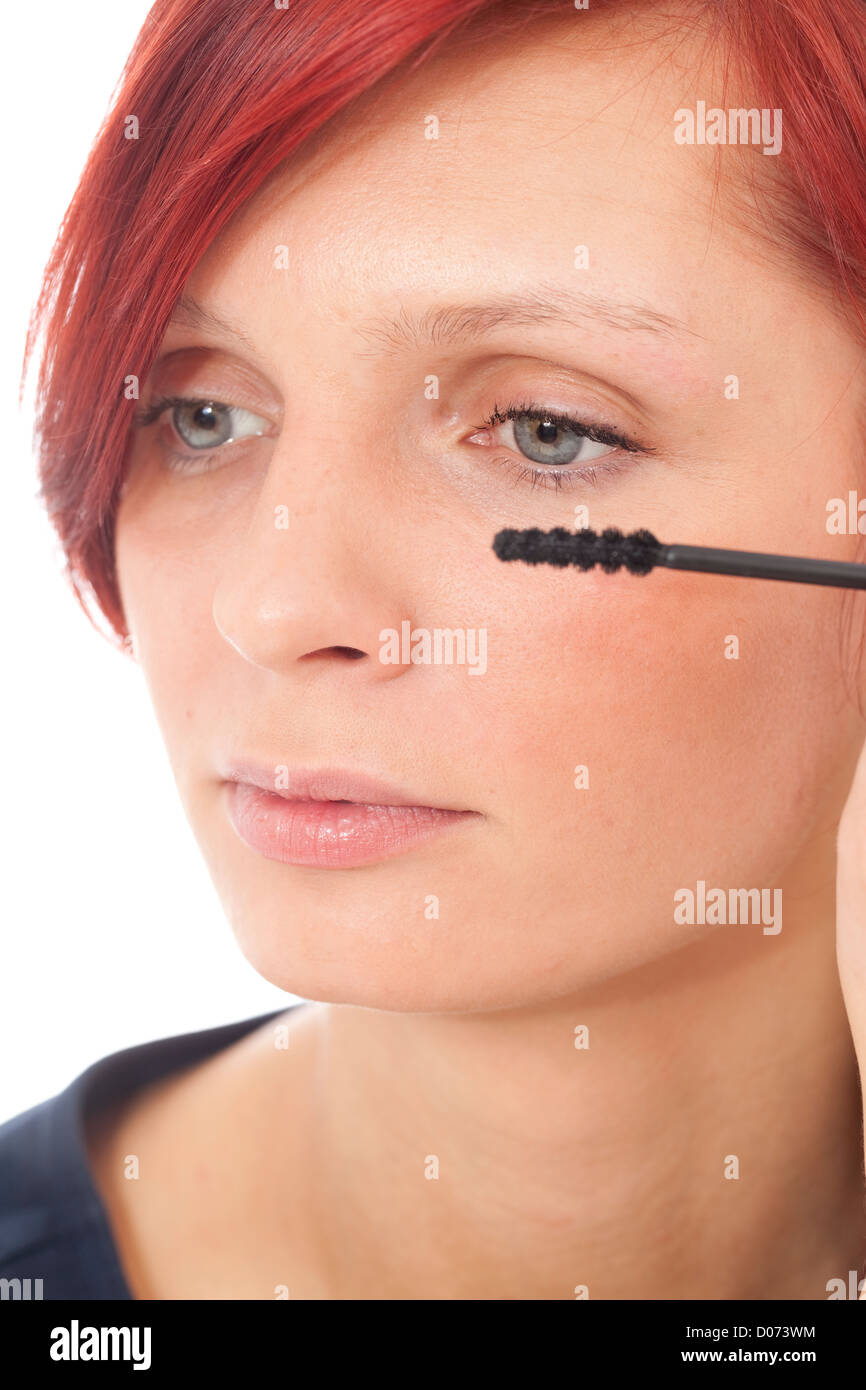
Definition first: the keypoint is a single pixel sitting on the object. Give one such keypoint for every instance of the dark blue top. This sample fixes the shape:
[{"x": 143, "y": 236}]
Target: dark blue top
[{"x": 53, "y": 1224}]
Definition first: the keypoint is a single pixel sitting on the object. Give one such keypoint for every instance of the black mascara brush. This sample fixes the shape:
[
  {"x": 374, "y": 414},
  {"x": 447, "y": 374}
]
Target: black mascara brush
[{"x": 639, "y": 552}]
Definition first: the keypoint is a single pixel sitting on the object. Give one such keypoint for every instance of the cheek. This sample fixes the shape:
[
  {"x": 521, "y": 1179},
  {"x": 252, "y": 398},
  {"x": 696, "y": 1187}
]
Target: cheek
[
  {"x": 674, "y": 722},
  {"x": 664, "y": 722},
  {"x": 167, "y": 594}
]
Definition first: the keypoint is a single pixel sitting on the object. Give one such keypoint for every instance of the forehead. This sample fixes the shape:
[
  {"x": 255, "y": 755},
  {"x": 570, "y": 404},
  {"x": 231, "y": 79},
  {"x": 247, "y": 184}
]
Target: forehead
[{"x": 543, "y": 154}]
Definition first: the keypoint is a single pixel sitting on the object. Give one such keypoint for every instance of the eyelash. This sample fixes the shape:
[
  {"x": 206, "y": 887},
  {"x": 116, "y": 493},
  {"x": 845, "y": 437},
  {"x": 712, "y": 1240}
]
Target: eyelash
[
  {"x": 147, "y": 415},
  {"x": 561, "y": 475},
  {"x": 551, "y": 475}
]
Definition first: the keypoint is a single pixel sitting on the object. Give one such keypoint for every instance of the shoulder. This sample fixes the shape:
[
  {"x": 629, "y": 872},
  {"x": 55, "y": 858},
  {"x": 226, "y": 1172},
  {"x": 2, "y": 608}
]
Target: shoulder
[{"x": 55, "y": 1237}]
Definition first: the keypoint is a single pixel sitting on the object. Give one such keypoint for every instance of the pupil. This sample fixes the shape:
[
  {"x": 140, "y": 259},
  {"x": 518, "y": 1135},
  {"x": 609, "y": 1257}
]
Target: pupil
[
  {"x": 546, "y": 432},
  {"x": 208, "y": 411}
]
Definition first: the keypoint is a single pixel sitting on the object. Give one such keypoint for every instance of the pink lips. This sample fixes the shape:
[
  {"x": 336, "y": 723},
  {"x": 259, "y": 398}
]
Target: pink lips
[{"x": 328, "y": 818}]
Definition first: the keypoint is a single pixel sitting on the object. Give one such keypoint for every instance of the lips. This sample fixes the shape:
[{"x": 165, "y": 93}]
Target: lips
[
  {"x": 329, "y": 817},
  {"x": 325, "y": 784}
]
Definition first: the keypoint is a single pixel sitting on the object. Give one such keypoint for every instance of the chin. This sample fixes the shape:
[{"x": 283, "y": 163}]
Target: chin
[
  {"x": 449, "y": 928},
  {"x": 383, "y": 957}
]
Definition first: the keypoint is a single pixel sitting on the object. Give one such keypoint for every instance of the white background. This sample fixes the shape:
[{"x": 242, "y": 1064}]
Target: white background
[{"x": 111, "y": 932}]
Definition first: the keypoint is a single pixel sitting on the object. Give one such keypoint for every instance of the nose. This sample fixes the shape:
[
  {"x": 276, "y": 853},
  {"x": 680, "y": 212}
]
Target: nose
[{"x": 309, "y": 579}]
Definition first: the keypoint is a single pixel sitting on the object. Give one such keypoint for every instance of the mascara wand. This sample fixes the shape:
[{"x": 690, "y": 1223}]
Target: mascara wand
[{"x": 639, "y": 552}]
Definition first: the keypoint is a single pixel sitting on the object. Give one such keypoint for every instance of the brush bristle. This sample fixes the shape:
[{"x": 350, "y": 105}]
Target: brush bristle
[{"x": 637, "y": 552}]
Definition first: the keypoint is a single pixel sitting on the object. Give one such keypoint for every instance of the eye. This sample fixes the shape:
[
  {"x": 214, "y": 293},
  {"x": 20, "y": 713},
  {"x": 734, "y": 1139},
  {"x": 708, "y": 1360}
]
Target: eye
[
  {"x": 201, "y": 425},
  {"x": 549, "y": 439},
  {"x": 560, "y": 445}
]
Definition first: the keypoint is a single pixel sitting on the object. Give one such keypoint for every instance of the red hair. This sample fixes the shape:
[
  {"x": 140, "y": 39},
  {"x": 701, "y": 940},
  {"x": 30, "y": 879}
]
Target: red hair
[{"x": 226, "y": 89}]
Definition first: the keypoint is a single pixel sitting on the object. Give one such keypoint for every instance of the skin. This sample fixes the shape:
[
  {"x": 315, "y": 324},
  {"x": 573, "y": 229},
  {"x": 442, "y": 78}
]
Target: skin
[{"x": 560, "y": 1169}]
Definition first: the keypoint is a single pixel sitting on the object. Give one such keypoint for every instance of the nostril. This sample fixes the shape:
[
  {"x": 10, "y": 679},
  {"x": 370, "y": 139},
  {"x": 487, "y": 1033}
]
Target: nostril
[{"x": 353, "y": 652}]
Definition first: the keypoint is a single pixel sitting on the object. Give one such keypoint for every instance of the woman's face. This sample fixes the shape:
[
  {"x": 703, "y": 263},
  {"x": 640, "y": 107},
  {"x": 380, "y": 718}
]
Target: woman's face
[{"x": 709, "y": 713}]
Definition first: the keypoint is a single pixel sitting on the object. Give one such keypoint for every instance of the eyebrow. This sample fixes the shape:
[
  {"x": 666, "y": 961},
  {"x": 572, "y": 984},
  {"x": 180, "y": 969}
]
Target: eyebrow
[
  {"x": 188, "y": 313},
  {"x": 541, "y": 304},
  {"x": 455, "y": 323}
]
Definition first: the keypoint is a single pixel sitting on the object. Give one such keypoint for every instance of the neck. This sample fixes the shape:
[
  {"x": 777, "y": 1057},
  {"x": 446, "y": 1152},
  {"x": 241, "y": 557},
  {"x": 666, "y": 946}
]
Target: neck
[{"x": 704, "y": 1144}]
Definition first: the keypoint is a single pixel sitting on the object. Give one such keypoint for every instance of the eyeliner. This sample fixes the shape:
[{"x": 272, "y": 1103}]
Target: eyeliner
[{"x": 639, "y": 552}]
